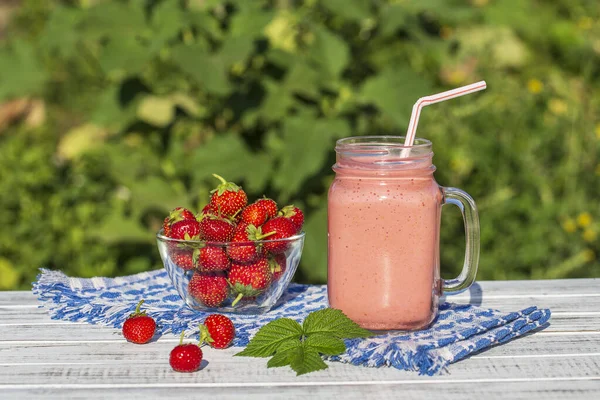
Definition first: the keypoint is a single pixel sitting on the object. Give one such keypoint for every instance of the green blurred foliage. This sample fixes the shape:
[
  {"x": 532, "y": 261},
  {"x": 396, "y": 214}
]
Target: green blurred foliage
[{"x": 113, "y": 112}]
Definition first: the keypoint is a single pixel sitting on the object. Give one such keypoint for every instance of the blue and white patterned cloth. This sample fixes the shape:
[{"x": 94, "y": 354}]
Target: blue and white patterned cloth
[{"x": 458, "y": 331}]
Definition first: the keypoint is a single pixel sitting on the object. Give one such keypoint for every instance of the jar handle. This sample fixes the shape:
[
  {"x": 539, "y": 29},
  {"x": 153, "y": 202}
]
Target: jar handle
[{"x": 468, "y": 209}]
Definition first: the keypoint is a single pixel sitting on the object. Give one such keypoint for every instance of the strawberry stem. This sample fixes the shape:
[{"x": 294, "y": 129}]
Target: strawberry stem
[
  {"x": 265, "y": 235},
  {"x": 237, "y": 299},
  {"x": 181, "y": 338},
  {"x": 223, "y": 181}
]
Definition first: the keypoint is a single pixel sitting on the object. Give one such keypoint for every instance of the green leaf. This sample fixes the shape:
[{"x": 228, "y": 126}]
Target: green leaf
[
  {"x": 21, "y": 72},
  {"x": 354, "y": 10},
  {"x": 207, "y": 70},
  {"x": 250, "y": 23},
  {"x": 157, "y": 111},
  {"x": 333, "y": 322},
  {"x": 60, "y": 32},
  {"x": 110, "y": 112},
  {"x": 114, "y": 19},
  {"x": 315, "y": 245},
  {"x": 394, "y": 91},
  {"x": 123, "y": 56},
  {"x": 392, "y": 17},
  {"x": 325, "y": 344},
  {"x": 330, "y": 51},
  {"x": 306, "y": 359},
  {"x": 266, "y": 341},
  {"x": 167, "y": 20},
  {"x": 285, "y": 354},
  {"x": 79, "y": 140},
  {"x": 236, "y": 49}
]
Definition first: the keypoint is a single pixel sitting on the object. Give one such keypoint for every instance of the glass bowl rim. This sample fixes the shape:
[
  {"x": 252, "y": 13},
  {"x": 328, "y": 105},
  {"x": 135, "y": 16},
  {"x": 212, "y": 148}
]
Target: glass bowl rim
[{"x": 166, "y": 239}]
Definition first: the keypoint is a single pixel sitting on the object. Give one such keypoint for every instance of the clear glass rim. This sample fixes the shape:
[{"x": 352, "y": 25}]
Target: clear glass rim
[
  {"x": 376, "y": 142},
  {"x": 163, "y": 238}
]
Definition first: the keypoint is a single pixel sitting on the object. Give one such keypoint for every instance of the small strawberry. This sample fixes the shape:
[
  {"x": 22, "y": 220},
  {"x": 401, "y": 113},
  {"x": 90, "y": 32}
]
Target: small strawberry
[
  {"x": 218, "y": 331},
  {"x": 211, "y": 209},
  {"x": 294, "y": 214},
  {"x": 215, "y": 229},
  {"x": 250, "y": 280},
  {"x": 185, "y": 357},
  {"x": 210, "y": 290},
  {"x": 188, "y": 229},
  {"x": 228, "y": 197},
  {"x": 176, "y": 215},
  {"x": 269, "y": 205},
  {"x": 242, "y": 248},
  {"x": 185, "y": 258},
  {"x": 139, "y": 327},
  {"x": 278, "y": 264},
  {"x": 213, "y": 258},
  {"x": 278, "y": 228},
  {"x": 254, "y": 214}
]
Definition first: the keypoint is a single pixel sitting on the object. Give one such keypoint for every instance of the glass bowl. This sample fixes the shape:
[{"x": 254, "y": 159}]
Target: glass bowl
[{"x": 249, "y": 288}]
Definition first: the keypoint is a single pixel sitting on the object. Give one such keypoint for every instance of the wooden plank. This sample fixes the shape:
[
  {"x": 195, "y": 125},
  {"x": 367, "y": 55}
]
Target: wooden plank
[{"x": 516, "y": 389}]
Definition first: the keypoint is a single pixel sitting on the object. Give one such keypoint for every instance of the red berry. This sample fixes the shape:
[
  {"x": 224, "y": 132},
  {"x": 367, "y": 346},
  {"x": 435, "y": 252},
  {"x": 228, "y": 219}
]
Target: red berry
[
  {"x": 278, "y": 264},
  {"x": 278, "y": 228},
  {"x": 294, "y": 214},
  {"x": 215, "y": 229},
  {"x": 176, "y": 215},
  {"x": 242, "y": 248},
  {"x": 210, "y": 290},
  {"x": 185, "y": 357},
  {"x": 254, "y": 214},
  {"x": 218, "y": 331},
  {"x": 228, "y": 197},
  {"x": 184, "y": 258},
  {"x": 250, "y": 280},
  {"x": 211, "y": 209},
  {"x": 188, "y": 229},
  {"x": 213, "y": 258},
  {"x": 269, "y": 205},
  {"x": 138, "y": 327}
]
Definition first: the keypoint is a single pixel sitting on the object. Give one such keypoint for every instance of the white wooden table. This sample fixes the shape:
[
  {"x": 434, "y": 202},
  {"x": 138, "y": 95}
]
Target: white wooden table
[{"x": 42, "y": 358}]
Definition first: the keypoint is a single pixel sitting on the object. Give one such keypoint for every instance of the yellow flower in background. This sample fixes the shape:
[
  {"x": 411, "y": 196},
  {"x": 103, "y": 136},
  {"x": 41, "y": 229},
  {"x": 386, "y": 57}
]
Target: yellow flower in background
[
  {"x": 558, "y": 106},
  {"x": 584, "y": 219},
  {"x": 282, "y": 31},
  {"x": 535, "y": 86},
  {"x": 569, "y": 225},
  {"x": 589, "y": 235},
  {"x": 585, "y": 23},
  {"x": 597, "y": 131}
]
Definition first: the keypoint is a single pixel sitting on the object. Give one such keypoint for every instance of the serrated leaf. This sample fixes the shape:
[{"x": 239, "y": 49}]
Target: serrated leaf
[
  {"x": 330, "y": 51},
  {"x": 157, "y": 111},
  {"x": 325, "y": 344},
  {"x": 394, "y": 91},
  {"x": 333, "y": 322},
  {"x": 268, "y": 338},
  {"x": 306, "y": 359},
  {"x": 207, "y": 70},
  {"x": 285, "y": 353}
]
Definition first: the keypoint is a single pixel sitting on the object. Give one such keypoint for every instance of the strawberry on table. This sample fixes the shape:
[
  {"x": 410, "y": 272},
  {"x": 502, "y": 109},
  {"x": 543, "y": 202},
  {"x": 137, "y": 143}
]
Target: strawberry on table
[
  {"x": 209, "y": 289},
  {"x": 176, "y": 215},
  {"x": 139, "y": 327},
  {"x": 185, "y": 357},
  {"x": 213, "y": 258},
  {"x": 278, "y": 228},
  {"x": 228, "y": 197},
  {"x": 242, "y": 248},
  {"x": 218, "y": 331},
  {"x": 216, "y": 229},
  {"x": 250, "y": 280},
  {"x": 278, "y": 264},
  {"x": 294, "y": 214}
]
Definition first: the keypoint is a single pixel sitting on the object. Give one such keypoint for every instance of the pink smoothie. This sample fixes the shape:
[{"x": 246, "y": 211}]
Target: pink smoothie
[{"x": 383, "y": 262}]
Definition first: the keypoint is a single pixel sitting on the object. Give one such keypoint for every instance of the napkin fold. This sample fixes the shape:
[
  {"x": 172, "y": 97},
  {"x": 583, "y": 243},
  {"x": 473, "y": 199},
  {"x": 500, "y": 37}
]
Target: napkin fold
[{"x": 458, "y": 331}]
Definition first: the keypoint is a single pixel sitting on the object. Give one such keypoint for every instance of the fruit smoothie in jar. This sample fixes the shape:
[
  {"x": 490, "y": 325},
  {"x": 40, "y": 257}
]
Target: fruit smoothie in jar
[{"x": 383, "y": 230}]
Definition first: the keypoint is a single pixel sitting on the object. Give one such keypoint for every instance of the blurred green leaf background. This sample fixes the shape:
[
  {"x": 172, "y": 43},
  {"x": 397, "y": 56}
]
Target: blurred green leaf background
[{"x": 113, "y": 112}]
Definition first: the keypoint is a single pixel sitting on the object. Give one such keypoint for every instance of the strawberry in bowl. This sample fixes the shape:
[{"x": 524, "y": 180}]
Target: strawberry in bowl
[{"x": 233, "y": 256}]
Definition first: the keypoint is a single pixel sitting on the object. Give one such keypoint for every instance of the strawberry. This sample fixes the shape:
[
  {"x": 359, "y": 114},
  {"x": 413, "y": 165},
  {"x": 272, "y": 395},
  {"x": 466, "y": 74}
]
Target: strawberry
[
  {"x": 185, "y": 357},
  {"x": 254, "y": 214},
  {"x": 211, "y": 209},
  {"x": 269, "y": 205},
  {"x": 211, "y": 290},
  {"x": 228, "y": 197},
  {"x": 250, "y": 280},
  {"x": 138, "y": 327},
  {"x": 215, "y": 229},
  {"x": 188, "y": 229},
  {"x": 242, "y": 249},
  {"x": 278, "y": 228},
  {"x": 294, "y": 214},
  {"x": 277, "y": 263},
  {"x": 184, "y": 258},
  {"x": 218, "y": 331},
  {"x": 213, "y": 258},
  {"x": 176, "y": 215}
]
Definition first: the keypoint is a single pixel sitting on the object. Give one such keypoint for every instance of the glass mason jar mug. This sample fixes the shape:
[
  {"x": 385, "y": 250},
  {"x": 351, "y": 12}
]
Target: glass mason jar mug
[{"x": 384, "y": 211}]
